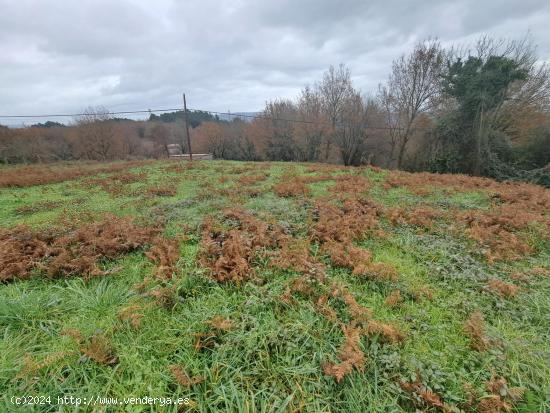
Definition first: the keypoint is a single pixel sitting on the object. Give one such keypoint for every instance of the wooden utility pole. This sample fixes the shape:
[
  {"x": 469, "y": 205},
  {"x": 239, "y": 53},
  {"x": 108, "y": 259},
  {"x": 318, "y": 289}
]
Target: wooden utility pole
[{"x": 187, "y": 128}]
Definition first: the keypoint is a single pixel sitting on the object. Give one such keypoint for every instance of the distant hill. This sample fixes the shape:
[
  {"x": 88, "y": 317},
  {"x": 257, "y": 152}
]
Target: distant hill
[{"x": 196, "y": 117}]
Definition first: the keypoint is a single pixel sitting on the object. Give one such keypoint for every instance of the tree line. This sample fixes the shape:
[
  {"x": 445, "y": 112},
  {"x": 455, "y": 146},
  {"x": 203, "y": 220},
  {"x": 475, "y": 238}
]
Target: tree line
[{"x": 481, "y": 110}]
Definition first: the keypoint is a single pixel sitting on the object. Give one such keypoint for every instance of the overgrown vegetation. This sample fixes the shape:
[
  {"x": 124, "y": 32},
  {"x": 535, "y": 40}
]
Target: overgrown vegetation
[
  {"x": 478, "y": 109},
  {"x": 274, "y": 287}
]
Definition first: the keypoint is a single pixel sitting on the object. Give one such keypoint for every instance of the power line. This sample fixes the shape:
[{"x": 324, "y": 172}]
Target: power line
[
  {"x": 266, "y": 117},
  {"x": 213, "y": 112},
  {"x": 67, "y": 115}
]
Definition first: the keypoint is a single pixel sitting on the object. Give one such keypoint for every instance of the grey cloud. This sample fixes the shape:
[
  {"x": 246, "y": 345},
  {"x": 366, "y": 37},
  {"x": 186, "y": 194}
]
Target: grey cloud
[{"x": 62, "y": 56}]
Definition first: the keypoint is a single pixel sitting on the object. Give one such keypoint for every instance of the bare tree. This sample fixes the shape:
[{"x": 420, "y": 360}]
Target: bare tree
[
  {"x": 335, "y": 89},
  {"x": 413, "y": 88},
  {"x": 351, "y": 133},
  {"x": 160, "y": 135},
  {"x": 216, "y": 139},
  {"x": 313, "y": 127},
  {"x": 280, "y": 130},
  {"x": 96, "y": 134}
]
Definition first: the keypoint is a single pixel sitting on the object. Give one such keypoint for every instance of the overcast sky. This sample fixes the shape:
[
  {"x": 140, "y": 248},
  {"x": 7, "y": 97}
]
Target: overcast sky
[{"x": 62, "y": 55}]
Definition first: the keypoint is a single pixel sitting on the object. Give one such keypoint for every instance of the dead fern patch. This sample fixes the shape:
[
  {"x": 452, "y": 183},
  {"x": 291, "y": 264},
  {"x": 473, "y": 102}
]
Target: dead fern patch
[
  {"x": 182, "y": 166},
  {"x": 99, "y": 349},
  {"x": 422, "y": 292},
  {"x": 293, "y": 188},
  {"x": 79, "y": 252},
  {"x": 251, "y": 179},
  {"x": 346, "y": 255},
  {"x": 25, "y": 176},
  {"x": 350, "y": 355},
  {"x": 501, "y": 398},
  {"x": 31, "y": 366},
  {"x": 394, "y": 299},
  {"x": 165, "y": 297},
  {"x": 323, "y": 307},
  {"x": 184, "y": 379},
  {"x": 359, "y": 314},
  {"x": 294, "y": 254},
  {"x": 424, "y": 181},
  {"x": 165, "y": 254},
  {"x": 69, "y": 253},
  {"x": 228, "y": 254},
  {"x": 352, "y": 185},
  {"x": 540, "y": 272},
  {"x": 423, "y": 397},
  {"x": 422, "y": 217},
  {"x": 131, "y": 314},
  {"x": 501, "y": 288},
  {"x": 529, "y": 276},
  {"x": 22, "y": 251},
  {"x": 497, "y": 230},
  {"x": 475, "y": 329},
  {"x": 346, "y": 222},
  {"x": 311, "y": 179},
  {"x": 262, "y": 234},
  {"x": 216, "y": 327},
  {"x": 37, "y": 207},
  {"x": 386, "y": 332},
  {"x": 130, "y": 177},
  {"x": 382, "y": 271},
  {"x": 221, "y": 323},
  {"x": 162, "y": 190}
]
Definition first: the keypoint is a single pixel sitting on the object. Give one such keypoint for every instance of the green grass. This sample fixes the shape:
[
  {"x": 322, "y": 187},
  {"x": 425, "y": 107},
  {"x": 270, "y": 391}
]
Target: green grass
[{"x": 271, "y": 361}]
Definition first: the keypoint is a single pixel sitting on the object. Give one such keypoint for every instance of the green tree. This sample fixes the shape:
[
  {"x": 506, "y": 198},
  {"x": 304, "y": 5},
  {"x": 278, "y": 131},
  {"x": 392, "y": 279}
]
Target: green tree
[{"x": 480, "y": 88}]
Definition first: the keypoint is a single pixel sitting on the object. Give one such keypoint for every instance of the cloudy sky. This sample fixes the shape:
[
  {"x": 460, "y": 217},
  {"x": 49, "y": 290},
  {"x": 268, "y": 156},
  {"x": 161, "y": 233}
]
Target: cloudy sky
[{"x": 61, "y": 56}]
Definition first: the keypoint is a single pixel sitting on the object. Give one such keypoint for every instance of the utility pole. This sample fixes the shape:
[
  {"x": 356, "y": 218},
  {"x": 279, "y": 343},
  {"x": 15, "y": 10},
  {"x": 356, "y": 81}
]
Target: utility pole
[{"x": 187, "y": 128}]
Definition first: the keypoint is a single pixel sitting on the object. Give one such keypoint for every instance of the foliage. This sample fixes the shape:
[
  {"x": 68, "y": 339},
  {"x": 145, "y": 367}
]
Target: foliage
[{"x": 257, "y": 298}]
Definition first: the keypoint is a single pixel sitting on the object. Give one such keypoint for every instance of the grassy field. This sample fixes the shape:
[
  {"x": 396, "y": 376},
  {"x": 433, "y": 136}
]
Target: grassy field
[{"x": 273, "y": 287}]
